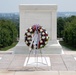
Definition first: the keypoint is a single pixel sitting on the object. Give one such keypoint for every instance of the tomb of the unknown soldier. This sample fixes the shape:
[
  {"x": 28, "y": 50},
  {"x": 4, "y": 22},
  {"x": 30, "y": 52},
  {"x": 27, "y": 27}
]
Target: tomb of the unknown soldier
[{"x": 46, "y": 16}]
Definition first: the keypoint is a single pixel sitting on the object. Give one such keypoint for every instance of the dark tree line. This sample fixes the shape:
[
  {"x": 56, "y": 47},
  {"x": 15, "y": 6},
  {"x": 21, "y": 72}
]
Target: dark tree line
[
  {"x": 8, "y": 33},
  {"x": 66, "y": 29}
]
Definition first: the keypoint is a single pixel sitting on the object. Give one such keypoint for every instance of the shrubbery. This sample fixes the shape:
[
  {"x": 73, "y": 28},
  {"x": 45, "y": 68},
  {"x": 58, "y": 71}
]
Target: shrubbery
[
  {"x": 8, "y": 33},
  {"x": 68, "y": 33},
  {"x": 60, "y": 26}
]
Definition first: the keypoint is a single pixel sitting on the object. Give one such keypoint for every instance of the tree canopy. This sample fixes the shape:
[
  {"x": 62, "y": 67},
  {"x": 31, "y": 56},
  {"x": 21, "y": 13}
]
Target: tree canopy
[
  {"x": 8, "y": 33},
  {"x": 69, "y": 33},
  {"x": 60, "y": 26}
]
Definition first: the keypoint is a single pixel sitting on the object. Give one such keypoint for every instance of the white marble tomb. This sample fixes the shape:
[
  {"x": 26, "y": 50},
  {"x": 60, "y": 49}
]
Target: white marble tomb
[{"x": 44, "y": 15}]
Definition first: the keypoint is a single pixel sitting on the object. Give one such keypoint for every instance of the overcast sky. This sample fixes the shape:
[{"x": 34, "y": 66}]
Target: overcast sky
[{"x": 13, "y": 5}]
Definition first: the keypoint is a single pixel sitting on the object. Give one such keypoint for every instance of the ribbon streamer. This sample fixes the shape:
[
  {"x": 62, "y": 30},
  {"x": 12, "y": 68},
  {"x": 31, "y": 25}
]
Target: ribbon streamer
[{"x": 35, "y": 37}]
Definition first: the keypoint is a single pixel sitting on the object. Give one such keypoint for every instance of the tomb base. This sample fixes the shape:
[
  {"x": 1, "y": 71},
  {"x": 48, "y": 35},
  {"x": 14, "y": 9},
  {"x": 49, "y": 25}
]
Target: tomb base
[{"x": 53, "y": 47}]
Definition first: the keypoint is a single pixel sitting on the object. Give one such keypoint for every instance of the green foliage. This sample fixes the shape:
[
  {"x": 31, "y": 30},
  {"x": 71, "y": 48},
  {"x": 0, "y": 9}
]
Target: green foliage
[
  {"x": 67, "y": 46},
  {"x": 69, "y": 33},
  {"x": 8, "y": 47},
  {"x": 8, "y": 33},
  {"x": 60, "y": 26}
]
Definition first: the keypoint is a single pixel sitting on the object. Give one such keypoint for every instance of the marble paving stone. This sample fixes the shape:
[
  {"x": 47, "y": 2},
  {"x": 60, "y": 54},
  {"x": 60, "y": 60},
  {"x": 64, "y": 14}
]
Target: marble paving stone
[
  {"x": 74, "y": 55},
  {"x": 7, "y": 58},
  {"x": 19, "y": 55},
  {"x": 58, "y": 67},
  {"x": 54, "y": 55},
  {"x": 70, "y": 65},
  {"x": 1, "y": 55},
  {"x": 58, "y": 62},
  {"x": 71, "y": 68},
  {"x": 36, "y": 69},
  {"x": 15, "y": 64},
  {"x": 38, "y": 73},
  {"x": 18, "y": 58},
  {"x": 4, "y": 65},
  {"x": 67, "y": 57},
  {"x": 56, "y": 59},
  {"x": 7, "y": 73},
  {"x": 67, "y": 73},
  {"x": 69, "y": 62},
  {"x": 5, "y": 61}
]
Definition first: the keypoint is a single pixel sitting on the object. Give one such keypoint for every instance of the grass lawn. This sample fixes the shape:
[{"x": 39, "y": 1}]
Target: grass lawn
[
  {"x": 6, "y": 48},
  {"x": 67, "y": 46}
]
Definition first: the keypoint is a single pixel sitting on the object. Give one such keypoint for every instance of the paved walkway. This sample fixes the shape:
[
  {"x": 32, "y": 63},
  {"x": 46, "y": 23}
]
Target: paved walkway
[
  {"x": 12, "y": 64},
  {"x": 68, "y": 51},
  {"x": 15, "y": 62},
  {"x": 39, "y": 73}
]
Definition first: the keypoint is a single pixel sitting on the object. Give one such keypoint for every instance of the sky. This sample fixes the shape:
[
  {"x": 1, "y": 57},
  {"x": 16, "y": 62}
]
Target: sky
[{"x": 8, "y": 6}]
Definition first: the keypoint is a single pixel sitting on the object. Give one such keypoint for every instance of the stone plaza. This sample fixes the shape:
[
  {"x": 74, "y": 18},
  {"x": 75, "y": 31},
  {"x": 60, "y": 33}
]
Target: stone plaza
[{"x": 13, "y": 64}]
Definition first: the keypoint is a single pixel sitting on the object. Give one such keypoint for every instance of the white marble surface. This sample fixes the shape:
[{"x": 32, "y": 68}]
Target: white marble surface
[
  {"x": 37, "y": 61},
  {"x": 0, "y": 58},
  {"x": 75, "y": 58}
]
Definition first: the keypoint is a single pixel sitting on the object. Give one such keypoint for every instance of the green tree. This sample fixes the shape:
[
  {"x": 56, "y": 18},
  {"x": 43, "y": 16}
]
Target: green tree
[
  {"x": 69, "y": 33},
  {"x": 60, "y": 26},
  {"x": 8, "y": 33}
]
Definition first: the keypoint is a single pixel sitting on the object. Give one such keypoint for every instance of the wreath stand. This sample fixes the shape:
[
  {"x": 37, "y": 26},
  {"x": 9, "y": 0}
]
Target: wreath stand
[
  {"x": 35, "y": 55},
  {"x": 38, "y": 62}
]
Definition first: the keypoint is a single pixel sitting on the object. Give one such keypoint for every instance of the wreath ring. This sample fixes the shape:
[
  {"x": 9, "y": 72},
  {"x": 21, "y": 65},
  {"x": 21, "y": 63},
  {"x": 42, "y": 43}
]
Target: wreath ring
[{"x": 36, "y": 37}]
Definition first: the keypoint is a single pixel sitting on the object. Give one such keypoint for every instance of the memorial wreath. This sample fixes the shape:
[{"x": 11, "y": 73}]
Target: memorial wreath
[{"x": 36, "y": 37}]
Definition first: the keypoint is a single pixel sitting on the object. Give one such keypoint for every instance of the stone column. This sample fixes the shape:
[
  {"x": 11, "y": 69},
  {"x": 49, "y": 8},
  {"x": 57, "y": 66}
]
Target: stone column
[{"x": 54, "y": 26}]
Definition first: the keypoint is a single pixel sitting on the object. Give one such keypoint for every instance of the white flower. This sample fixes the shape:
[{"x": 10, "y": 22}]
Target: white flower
[
  {"x": 30, "y": 30},
  {"x": 45, "y": 42},
  {"x": 28, "y": 33},
  {"x": 43, "y": 37},
  {"x": 47, "y": 37},
  {"x": 28, "y": 38},
  {"x": 26, "y": 42},
  {"x": 43, "y": 33},
  {"x": 40, "y": 41},
  {"x": 41, "y": 30},
  {"x": 41, "y": 45}
]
